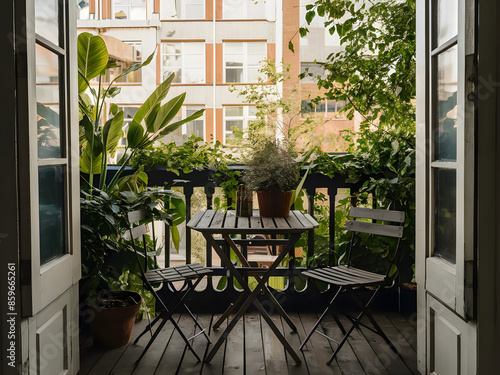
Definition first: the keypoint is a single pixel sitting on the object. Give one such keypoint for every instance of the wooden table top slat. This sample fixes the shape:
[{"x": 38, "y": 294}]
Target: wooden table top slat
[
  {"x": 211, "y": 221},
  {"x": 218, "y": 219},
  {"x": 293, "y": 221},
  {"x": 195, "y": 219},
  {"x": 304, "y": 219},
  {"x": 230, "y": 221},
  {"x": 268, "y": 222},
  {"x": 255, "y": 222},
  {"x": 311, "y": 220},
  {"x": 243, "y": 222},
  {"x": 206, "y": 220},
  {"x": 281, "y": 223}
]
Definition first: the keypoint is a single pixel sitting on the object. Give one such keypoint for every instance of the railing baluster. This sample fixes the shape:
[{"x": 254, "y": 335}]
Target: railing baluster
[
  {"x": 332, "y": 195},
  {"x": 311, "y": 192},
  {"x": 167, "y": 245},
  {"x": 188, "y": 193},
  {"x": 209, "y": 192}
]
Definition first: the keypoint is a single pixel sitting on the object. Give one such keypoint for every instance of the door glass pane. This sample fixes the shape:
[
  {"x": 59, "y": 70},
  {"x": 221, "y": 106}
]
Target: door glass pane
[
  {"x": 48, "y": 104},
  {"x": 445, "y": 213},
  {"x": 446, "y": 21},
  {"x": 52, "y": 213},
  {"x": 47, "y": 19},
  {"x": 445, "y": 125}
]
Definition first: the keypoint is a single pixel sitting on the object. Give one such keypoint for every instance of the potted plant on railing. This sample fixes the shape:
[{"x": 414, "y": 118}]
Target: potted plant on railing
[
  {"x": 272, "y": 171},
  {"x": 107, "y": 262}
]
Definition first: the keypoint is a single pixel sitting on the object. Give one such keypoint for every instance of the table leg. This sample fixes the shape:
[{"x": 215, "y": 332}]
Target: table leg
[
  {"x": 252, "y": 298},
  {"x": 266, "y": 291}
]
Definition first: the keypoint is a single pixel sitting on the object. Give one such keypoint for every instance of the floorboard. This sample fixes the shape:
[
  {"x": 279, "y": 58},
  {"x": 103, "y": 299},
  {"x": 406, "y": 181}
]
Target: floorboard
[
  {"x": 253, "y": 349},
  {"x": 345, "y": 358},
  {"x": 254, "y": 352},
  {"x": 190, "y": 365}
]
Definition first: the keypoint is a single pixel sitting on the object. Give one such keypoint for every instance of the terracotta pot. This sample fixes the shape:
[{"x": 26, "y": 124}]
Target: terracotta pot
[
  {"x": 274, "y": 203},
  {"x": 112, "y": 326}
]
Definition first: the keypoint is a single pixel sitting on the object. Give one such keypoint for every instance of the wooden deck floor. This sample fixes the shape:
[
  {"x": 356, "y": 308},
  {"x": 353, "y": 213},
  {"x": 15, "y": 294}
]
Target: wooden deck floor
[{"x": 252, "y": 348}]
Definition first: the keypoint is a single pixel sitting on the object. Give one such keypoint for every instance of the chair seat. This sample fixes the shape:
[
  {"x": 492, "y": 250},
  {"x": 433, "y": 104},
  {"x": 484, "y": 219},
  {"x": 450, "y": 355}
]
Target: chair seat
[
  {"x": 346, "y": 276},
  {"x": 178, "y": 273}
]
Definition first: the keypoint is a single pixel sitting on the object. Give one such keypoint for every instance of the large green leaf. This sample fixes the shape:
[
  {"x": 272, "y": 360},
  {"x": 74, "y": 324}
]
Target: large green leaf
[
  {"x": 178, "y": 205},
  {"x": 135, "y": 135},
  {"x": 90, "y": 163},
  {"x": 112, "y": 132},
  {"x": 166, "y": 113},
  {"x": 175, "y": 236},
  {"x": 92, "y": 58},
  {"x": 86, "y": 123},
  {"x": 155, "y": 98}
]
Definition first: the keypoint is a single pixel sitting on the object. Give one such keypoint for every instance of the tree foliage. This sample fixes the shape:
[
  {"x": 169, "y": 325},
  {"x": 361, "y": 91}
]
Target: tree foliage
[
  {"x": 375, "y": 74},
  {"x": 375, "y": 70}
]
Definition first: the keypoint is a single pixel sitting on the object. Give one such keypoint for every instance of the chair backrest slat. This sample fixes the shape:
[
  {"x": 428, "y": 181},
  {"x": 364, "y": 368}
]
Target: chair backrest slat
[
  {"x": 373, "y": 228},
  {"x": 374, "y": 214},
  {"x": 138, "y": 215},
  {"x": 138, "y": 231}
]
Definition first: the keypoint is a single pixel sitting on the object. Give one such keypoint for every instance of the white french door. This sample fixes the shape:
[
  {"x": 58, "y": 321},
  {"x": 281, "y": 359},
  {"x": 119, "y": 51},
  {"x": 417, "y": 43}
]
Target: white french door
[
  {"x": 445, "y": 185},
  {"x": 49, "y": 183}
]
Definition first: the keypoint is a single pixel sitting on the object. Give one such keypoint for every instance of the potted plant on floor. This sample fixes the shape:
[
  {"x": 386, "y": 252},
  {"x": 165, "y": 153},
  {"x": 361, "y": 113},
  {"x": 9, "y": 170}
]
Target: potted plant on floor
[{"x": 272, "y": 171}]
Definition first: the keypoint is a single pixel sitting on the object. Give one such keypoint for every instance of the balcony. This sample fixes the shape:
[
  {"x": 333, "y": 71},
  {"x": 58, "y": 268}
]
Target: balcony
[{"x": 251, "y": 348}]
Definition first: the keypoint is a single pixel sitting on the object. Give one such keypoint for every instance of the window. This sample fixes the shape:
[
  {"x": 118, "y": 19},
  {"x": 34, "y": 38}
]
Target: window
[
  {"x": 325, "y": 108},
  {"x": 242, "y": 61},
  {"x": 185, "y": 59},
  {"x": 244, "y": 9},
  {"x": 183, "y": 9},
  {"x": 237, "y": 117},
  {"x": 83, "y": 10},
  {"x": 444, "y": 132},
  {"x": 129, "y": 9},
  {"x": 130, "y": 53},
  {"x": 196, "y": 127},
  {"x": 311, "y": 72},
  {"x": 51, "y": 128}
]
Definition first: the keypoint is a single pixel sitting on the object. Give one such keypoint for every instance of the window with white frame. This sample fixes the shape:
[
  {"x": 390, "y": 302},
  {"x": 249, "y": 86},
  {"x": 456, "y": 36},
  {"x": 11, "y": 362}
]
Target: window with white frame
[
  {"x": 130, "y": 53},
  {"x": 183, "y": 9},
  {"x": 129, "y": 9},
  {"x": 242, "y": 61},
  {"x": 325, "y": 108},
  {"x": 185, "y": 59},
  {"x": 311, "y": 72},
  {"x": 243, "y": 9},
  {"x": 83, "y": 10},
  {"x": 237, "y": 117},
  {"x": 196, "y": 127}
]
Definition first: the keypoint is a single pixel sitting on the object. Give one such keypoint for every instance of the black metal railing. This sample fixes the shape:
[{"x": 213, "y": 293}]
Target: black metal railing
[{"x": 214, "y": 299}]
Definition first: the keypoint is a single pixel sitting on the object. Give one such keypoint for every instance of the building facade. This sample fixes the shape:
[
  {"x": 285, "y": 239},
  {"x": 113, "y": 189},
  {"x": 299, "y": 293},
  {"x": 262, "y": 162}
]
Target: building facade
[{"x": 211, "y": 45}]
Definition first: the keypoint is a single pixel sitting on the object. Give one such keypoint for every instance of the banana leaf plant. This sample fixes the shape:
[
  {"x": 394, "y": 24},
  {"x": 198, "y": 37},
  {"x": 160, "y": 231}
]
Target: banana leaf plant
[{"x": 98, "y": 141}]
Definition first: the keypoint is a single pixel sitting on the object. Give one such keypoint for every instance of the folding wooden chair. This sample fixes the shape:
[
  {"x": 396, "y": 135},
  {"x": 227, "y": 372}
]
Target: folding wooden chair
[
  {"x": 347, "y": 277},
  {"x": 191, "y": 274}
]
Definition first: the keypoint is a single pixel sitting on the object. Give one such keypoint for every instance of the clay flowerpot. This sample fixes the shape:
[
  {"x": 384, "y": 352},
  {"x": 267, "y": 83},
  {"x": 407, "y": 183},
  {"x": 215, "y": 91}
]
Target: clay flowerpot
[
  {"x": 114, "y": 321},
  {"x": 274, "y": 203}
]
